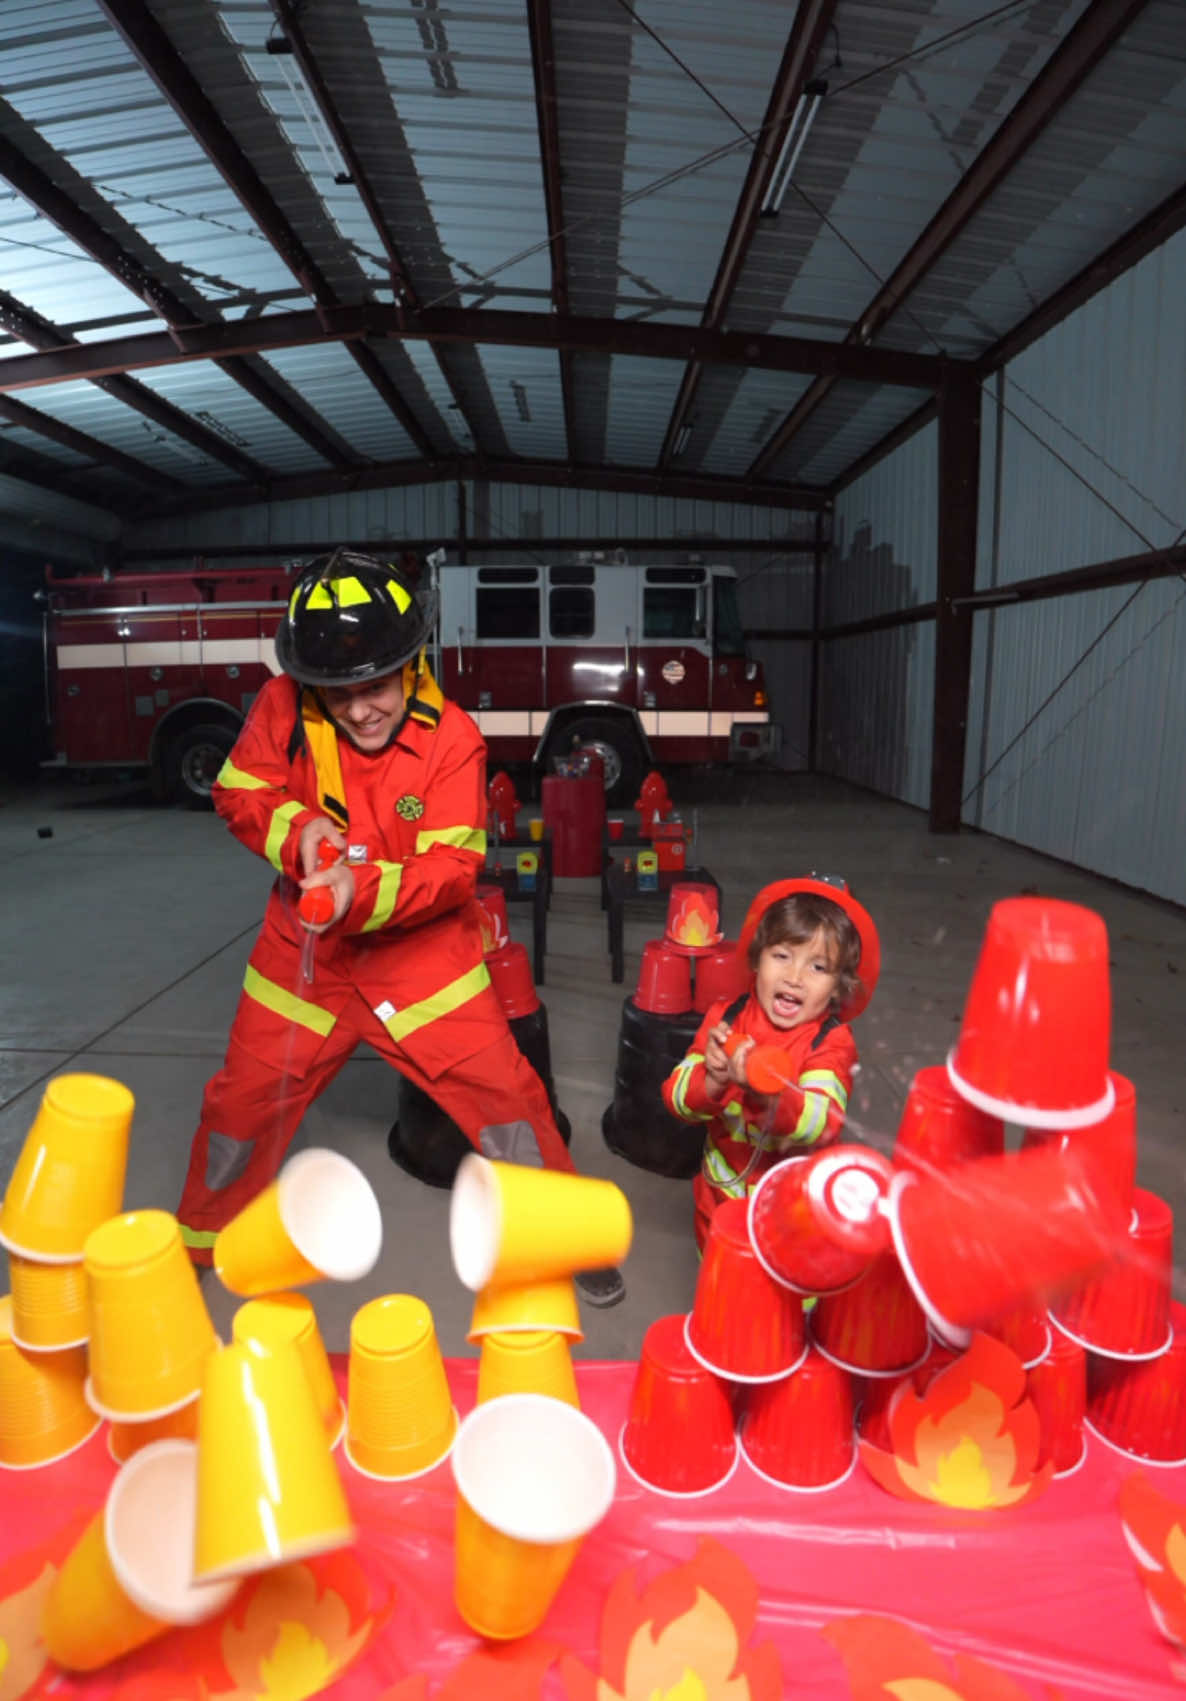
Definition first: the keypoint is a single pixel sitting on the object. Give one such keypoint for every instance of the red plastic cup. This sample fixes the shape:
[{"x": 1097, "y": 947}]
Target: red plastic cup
[
  {"x": 510, "y": 975},
  {"x": 1140, "y": 1409},
  {"x": 877, "y": 1393},
  {"x": 495, "y": 928},
  {"x": 664, "y": 980},
  {"x": 874, "y": 1328},
  {"x": 1033, "y": 1044},
  {"x": 1000, "y": 1233},
  {"x": 678, "y": 1437},
  {"x": 1025, "y": 1332},
  {"x": 615, "y": 826},
  {"x": 719, "y": 974},
  {"x": 1110, "y": 1145},
  {"x": 798, "y": 1433},
  {"x": 1125, "y": 1311},
  {"x": 940, "y": 1129},
  {"x": 816, "y": 1222},
  {"x": 693, "y": 916},
  {"x": 742, "y": 1326},
  {"x": 1057, "y": 1386},
  {"x": 316, "y": 906}
]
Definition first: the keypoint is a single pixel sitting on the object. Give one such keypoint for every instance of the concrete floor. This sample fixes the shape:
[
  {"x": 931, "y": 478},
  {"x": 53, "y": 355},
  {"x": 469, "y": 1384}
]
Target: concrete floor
[{"x": 124, "y": 936}]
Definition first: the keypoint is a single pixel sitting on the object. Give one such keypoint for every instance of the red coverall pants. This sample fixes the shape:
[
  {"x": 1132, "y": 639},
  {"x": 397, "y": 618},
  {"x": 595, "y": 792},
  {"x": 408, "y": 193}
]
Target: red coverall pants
[{"x": 251, "y": 1109}]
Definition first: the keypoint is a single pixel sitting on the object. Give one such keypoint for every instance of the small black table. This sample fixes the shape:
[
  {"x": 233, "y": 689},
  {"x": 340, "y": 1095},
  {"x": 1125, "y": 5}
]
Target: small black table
[
  {"x": 507, "y": 878},
  {"x": 622, "y": 889}
]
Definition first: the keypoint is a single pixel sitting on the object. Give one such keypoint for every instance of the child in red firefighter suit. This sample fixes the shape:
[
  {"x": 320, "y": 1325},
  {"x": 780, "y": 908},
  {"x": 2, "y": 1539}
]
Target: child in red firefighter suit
[
  {"x": 813, "y": 958},
  {"x": 354, "y": 745}
]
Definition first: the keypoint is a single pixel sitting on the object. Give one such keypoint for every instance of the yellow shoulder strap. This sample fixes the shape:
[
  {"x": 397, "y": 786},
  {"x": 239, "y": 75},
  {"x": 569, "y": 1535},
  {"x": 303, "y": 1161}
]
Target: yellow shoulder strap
[
  {"x": 422, "y": 694},
  {"x": 322, "y": 739}
]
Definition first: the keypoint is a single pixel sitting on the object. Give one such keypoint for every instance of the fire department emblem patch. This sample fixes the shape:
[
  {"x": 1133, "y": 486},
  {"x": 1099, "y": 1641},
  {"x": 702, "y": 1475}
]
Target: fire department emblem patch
[{"x": 409, "y": 807}]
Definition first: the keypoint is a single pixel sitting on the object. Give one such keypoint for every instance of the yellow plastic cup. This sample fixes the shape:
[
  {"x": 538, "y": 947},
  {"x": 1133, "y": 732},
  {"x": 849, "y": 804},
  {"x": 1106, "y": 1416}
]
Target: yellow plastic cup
[
  {"x": 290, "y": 1317},
  {"x": 536, "y": 828},
  {"x": 319, "y": 1220},
  {"x": 50, "y": 1309},
  {"x": 509, "y": 1223},
  {"x": 534, "y": 1476},
  {"x": 550, "y": 1305},
  {"x": 129, "y": 1578},
  {"x": 124, "y": 1439},
  {"x": 69, "y": 1177},
  {"x": 400, "y": 1420},
  {"x": 150, "y": 1331},
  {"x": 268, "y": 1488},
  {"x": 43, "y": 1410},
  {"x": 527, "y": 1362}
]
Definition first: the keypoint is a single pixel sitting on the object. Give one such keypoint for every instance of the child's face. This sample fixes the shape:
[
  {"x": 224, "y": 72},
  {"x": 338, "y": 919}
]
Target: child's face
[{"x": 795, "y": 983}]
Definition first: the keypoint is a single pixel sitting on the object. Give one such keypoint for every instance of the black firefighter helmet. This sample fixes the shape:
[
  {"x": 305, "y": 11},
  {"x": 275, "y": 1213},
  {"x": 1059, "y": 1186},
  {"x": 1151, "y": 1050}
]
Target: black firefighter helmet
[{"x": 352, "y": 618}]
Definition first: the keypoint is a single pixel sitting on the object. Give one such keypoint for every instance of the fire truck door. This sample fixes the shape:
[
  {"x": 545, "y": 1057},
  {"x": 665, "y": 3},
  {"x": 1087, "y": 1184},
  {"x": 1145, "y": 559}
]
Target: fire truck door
[
  {"x": 503, "y": 649},
  {"x": 93, "y": 707},
  {"x": 592, "y": 634},
  {"x": 675, "y": 657}
]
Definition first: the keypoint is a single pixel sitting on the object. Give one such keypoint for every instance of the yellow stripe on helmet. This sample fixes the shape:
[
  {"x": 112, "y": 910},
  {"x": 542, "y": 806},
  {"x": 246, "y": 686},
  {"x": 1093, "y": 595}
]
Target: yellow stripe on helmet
[{"x": 399, "y": 595}]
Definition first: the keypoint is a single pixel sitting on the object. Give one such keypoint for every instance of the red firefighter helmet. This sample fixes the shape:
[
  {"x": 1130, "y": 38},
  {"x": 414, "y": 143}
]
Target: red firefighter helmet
[{"x": 834, "y": 889}]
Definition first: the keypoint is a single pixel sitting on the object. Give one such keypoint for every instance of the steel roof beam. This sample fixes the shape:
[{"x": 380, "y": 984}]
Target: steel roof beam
[
  {"x": 1096, "y": 32},
  {"x": 390, "y": 474},
  {"x": 79, "y": 443},
  {"x": 61, "y": 209},
  {"x": 813, "y": 19},
  {"x": 479, "y": 325},
  {"x": 29, "y": 327},
  {"x": 405, "y": 289},
  {"x": 185, "y": 95},
  {"x": 543, "y": 67}
]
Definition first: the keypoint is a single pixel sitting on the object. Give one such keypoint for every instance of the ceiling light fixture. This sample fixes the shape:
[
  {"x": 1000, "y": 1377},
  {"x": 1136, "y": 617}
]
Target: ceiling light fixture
[
  {"x": 802, "y": 119},
  {"x": 681, "y": 440},
  {"x": 280, "y": 48}
]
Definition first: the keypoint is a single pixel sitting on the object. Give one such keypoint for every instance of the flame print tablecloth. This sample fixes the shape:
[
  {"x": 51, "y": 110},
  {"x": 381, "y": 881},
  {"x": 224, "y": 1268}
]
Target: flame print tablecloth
[{"x": 749, "y": 1594}]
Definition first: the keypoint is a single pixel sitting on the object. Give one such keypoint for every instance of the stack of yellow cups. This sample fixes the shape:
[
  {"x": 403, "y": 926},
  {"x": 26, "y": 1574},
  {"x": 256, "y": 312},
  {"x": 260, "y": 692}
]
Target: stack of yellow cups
[
  {"x": 534, "y": 1476},
  {"x": 68, "y": 1179}
]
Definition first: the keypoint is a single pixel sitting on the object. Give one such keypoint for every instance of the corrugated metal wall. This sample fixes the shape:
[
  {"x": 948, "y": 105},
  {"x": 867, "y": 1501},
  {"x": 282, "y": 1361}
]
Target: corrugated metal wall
[
  {"x": 877, "y": 688},
  {"x": 1077, "y": 714}
]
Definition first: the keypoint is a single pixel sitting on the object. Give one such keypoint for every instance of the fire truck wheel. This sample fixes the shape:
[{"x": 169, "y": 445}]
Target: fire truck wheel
[
  {"x": 192, "y": 762},
  {"x": 619, "y": 753}
]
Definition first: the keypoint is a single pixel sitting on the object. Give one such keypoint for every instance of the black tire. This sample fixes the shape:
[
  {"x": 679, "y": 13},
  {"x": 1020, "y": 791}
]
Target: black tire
[
  {"x": 192, "y": 762},
  {"x": 616, "y": 743}
]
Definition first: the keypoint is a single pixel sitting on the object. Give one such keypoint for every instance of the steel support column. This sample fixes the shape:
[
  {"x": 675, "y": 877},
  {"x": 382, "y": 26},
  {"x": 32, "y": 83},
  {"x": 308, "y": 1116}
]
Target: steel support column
[
  {"x": 959, "y": 479},
  {"x": 817, "y": 586}
]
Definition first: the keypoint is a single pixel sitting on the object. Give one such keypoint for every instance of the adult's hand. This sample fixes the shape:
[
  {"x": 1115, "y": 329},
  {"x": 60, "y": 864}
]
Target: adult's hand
[{"x": 312, "y": 835}]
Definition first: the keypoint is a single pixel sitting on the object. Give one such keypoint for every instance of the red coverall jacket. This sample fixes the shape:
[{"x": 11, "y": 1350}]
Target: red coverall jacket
[
  {"x": 821, "y": 1057},
  {"x": 403, "y": 968}
]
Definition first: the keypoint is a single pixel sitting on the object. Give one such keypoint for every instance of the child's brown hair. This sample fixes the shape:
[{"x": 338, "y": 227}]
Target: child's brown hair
[{"x": 795, "y": 920}]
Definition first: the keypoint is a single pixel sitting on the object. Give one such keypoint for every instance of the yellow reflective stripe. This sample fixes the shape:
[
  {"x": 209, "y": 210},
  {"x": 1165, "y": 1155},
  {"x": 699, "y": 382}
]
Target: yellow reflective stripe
[
  {"x": 235, "y": 779},
  {"x": 278, "y": 831},
  {"x": 198, "y": 1237},
  {"x": 319, "y": 596},
  {"x": 399, "y": 596},
  {"x": 679, "y": 1090},
  {"x": 720, "y": 1172},
  {"x": 390, "y": 875},
  {"x": 351, "y": 592},
  {"x": 813, "y": 1118},
  {"x": 457, "y": 838},
  {"x": 287, "y": 1004},
  {"x": 825, "y": 1081},
  {"x": 442, "y": 1003}
]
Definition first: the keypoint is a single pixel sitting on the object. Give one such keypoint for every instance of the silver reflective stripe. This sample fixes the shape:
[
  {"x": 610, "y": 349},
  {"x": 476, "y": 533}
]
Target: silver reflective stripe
[
  {"x": 511, "y": 1143},
  {"x": 226, "y": 1159}
]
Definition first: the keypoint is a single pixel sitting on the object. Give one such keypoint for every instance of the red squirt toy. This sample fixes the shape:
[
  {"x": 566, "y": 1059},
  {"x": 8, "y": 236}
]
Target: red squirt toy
[
  {"x": 317, "y": 904},
  {"x": 502, "y": 804}
]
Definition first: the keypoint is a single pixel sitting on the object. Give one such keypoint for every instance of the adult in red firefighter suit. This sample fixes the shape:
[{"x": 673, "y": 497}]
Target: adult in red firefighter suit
[
  {"x": 744, "y": 1131},
  {"x": 355, "y": 745}
]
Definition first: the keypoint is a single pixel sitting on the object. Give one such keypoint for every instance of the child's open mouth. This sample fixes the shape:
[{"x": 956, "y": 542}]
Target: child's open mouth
[{"x": 786, "y": 1006}]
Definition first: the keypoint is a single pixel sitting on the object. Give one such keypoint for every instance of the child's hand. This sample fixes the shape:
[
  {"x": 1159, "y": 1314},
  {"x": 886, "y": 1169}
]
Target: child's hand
[
  {"x": 716, "y": 1061},
  {"x": 736, "y": 1060}
]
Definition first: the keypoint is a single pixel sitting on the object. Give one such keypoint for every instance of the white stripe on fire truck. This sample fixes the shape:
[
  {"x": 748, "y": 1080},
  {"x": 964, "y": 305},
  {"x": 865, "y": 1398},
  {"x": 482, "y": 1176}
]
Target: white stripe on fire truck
[{"x": 181, "y": 653}]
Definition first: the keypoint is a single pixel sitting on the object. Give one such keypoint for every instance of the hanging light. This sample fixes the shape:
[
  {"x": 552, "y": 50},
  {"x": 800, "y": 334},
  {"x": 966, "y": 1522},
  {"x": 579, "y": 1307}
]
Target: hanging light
[{"x": 792, "y": 146}]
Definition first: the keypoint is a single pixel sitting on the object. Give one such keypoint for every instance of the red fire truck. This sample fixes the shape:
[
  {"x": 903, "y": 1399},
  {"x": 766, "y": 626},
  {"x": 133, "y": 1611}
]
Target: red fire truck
[{"x": 644, "y": 664}]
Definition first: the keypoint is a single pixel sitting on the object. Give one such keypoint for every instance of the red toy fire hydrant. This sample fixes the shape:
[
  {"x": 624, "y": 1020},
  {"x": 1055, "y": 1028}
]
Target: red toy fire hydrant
[
  {"x": 652, "y": 802},
  {"x": 502, "y": 803}
]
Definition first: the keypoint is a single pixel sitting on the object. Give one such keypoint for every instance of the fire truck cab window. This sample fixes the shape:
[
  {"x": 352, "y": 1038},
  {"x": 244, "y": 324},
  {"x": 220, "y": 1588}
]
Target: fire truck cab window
[
  {"x": 570, "y": 612},
  {"x": 507, "y": 611},
  {"x": 728, "y": 637},
  {"x": 670, "y": 611}
]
